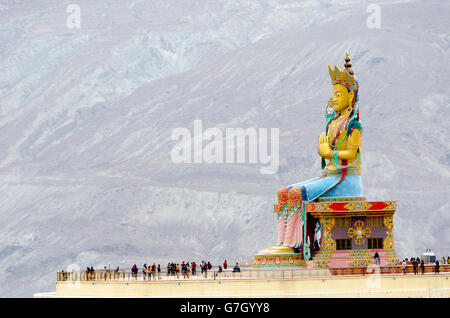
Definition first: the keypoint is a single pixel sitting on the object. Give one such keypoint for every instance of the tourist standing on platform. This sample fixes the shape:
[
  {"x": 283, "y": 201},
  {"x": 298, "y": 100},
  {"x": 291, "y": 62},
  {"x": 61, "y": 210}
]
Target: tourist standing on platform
[
  {"x": 225, "y": 264},
  {"x": 422, "y": 267},
  {"x": 159, "y": 271},
  {"x": 236, "y": 269},
  {"x": 219, "y": 271},
  {"x": 183, "y": 269},
  {"x": 443, "y": 260},
  {"x": 448, "y": 259},
  {"x": 205, "y": 270},
  {"x": 437, "y": 268},
  {"x": 194, "y": 268},
  {"x": 415, "y": 263},
  {"x": 135, "y": 270},
  {"x": 174, "y": 269},
  {"x": 150, "y": 273},
  {"x": 377, "y": 258},
  {"x": 144, "y": 272},
  {"x": 177, "y": 269},
  {"x": 404, "y": 265},
  {"x": 153, "y": 271}
]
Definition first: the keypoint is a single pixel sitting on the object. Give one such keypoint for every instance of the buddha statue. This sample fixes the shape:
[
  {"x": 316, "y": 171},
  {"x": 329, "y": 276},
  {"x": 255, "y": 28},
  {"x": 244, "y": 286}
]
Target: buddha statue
[{"x": 339, "y": 147}]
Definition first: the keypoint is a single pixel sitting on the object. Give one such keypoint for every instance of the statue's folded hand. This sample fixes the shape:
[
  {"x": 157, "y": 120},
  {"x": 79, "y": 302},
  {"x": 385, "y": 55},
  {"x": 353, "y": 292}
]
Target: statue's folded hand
[{"x": 323, "y": 147}]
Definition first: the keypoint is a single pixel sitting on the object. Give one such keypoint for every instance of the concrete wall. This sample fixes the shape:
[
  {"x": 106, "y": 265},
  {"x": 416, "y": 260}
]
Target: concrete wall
[{"x": 372, "y": 286}]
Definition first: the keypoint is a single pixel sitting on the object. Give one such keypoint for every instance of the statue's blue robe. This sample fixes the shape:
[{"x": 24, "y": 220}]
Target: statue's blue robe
[{"x": 330, "y": 186}]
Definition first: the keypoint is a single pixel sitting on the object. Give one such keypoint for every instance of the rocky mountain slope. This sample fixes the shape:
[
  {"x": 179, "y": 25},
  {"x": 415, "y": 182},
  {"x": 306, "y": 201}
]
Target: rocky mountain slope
[{"x": 86, "y": 115}]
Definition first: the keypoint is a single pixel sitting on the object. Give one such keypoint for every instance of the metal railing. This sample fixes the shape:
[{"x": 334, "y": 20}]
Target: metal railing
[
  {"x": 128, "y": 275},
  {"x": 245, "y": 273},
  {"x": 388, "y": 270}
]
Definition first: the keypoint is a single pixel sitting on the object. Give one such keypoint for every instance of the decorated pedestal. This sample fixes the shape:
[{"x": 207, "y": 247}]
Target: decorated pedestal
[
  {"x": 276, "y": 260},
  {"x": 345, "y": 232},
  {"x": 352, "y": 231}
]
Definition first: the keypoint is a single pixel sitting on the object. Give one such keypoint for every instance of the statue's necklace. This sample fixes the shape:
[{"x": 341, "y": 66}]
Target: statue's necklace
[{"x": 339, "y": 124}]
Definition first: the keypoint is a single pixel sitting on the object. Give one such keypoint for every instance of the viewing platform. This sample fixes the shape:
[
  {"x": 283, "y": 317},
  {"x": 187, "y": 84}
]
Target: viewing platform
[{"x": 386, "y": 281}]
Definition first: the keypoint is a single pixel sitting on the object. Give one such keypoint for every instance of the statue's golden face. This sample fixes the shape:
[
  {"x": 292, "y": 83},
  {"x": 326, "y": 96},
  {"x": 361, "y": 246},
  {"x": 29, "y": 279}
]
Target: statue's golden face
[{"x": 341, "y": 97}]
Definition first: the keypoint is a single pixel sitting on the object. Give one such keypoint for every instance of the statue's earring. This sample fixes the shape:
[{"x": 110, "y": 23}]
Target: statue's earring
[
  {"x": 330, "y": 108},
  {"x": 351, "y": 98}
]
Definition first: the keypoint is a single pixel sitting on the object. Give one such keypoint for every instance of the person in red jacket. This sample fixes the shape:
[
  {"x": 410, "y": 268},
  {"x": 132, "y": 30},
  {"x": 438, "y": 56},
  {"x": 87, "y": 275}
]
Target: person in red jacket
[
  {"x": 194, "y": 266},
  {"x": 225, "y": 264}
]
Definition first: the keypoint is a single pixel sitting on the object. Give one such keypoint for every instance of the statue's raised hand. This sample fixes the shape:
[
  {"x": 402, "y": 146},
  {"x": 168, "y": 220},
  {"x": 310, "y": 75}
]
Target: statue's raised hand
[{"x": 323, "y": 147}]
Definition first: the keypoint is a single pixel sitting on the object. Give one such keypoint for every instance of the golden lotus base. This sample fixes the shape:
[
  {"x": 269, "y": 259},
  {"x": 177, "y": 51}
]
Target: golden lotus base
[{"x": 284, "y": 260}]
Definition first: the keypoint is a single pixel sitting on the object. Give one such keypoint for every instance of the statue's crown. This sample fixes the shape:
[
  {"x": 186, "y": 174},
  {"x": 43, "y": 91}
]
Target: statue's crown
[{"x": 344, "y": 77}]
